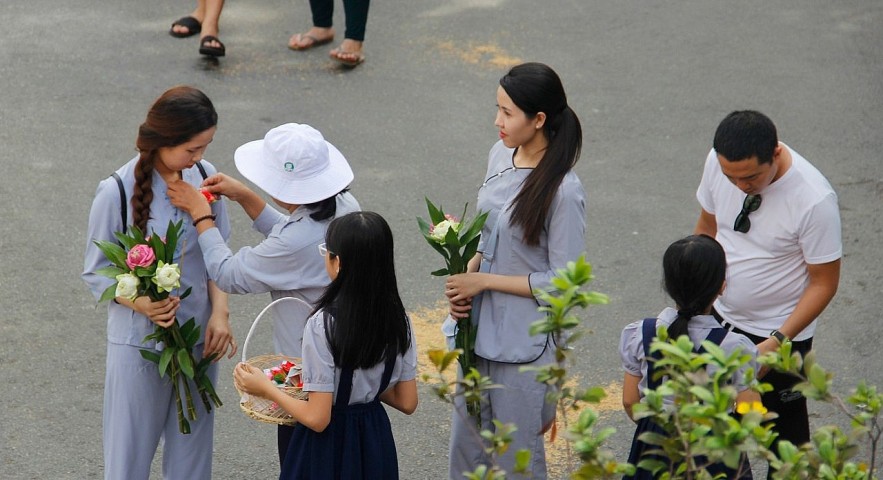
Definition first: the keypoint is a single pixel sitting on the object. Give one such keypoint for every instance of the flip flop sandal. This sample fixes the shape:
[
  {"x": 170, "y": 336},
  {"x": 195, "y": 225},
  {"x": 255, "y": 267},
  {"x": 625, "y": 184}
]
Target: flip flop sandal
[
  {"x": 314, "y": 42},
  {"x": 209, "y": 50},
  {"x": 359, "y": 57},
  {"x": 193, "y": 27}
]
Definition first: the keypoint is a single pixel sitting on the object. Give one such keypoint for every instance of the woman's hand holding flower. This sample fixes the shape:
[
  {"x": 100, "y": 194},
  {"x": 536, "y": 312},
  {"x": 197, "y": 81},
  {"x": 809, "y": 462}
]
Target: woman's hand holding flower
[
  {"x": 160, "y": 312},
  {"x": 460, "y": 289},
  {"x": 220, "y": 184}
]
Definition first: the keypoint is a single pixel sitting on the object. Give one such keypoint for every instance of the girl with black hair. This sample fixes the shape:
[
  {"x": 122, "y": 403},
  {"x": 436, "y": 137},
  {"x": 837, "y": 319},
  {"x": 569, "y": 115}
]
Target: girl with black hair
[
  {"x": 694, "y": 271},
  {"x": 139, "y": 405},
  {"x": 536, "y": 223},
  {"x": 358, "y": 351},
  {"x": 308, "y": 178}
]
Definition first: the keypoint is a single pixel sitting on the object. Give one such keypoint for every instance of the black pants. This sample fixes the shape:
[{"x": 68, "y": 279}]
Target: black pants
[
  {"x": 356, "y": 12},
  {"x": 793, "y": 421}
]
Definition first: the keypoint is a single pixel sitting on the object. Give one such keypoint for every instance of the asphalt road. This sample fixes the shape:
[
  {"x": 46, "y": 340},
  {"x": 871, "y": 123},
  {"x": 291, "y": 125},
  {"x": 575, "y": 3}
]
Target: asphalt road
[{"x": 650, "y": 80}]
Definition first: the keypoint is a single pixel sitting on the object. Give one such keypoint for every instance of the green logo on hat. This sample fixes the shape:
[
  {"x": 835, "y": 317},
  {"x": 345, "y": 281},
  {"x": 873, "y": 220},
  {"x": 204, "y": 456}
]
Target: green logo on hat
[{"x": 289, "y": 167}]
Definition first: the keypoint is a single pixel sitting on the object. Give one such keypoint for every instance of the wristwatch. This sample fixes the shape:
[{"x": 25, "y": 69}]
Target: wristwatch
[{"x": 779, "y": 336}]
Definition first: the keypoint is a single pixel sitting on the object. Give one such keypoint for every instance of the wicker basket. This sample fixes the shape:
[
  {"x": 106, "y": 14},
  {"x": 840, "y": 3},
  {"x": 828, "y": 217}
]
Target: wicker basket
[{"x": 262, "y": 409}]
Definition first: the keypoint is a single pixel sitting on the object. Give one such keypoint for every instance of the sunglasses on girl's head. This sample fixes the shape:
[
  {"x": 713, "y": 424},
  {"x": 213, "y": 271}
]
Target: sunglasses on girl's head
[{"x": 751, "y": 203}]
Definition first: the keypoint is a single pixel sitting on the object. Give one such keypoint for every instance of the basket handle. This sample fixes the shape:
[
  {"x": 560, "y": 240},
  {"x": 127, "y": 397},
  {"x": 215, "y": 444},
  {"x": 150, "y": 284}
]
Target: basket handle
[{"x": 255, "y": 323}]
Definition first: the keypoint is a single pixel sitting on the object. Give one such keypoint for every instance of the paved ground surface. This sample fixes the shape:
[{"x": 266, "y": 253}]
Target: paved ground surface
[{"x": 650, "y": 81}]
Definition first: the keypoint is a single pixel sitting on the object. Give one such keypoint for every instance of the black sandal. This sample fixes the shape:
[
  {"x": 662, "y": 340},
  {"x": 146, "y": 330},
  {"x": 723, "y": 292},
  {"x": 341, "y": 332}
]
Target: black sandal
[
  {"x": 193, "y": 27},
  {"x": 211, "y": 51}
]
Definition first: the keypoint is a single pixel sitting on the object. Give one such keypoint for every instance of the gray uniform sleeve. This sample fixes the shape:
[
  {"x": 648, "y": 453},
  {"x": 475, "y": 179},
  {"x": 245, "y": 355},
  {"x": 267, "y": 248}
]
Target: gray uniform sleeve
[
  {"x": 267, "y": 219},
  {"x": 318, "y": 363},
  {"x": 409, "y": 360},
  {"x": 104, "y": 220},
  {"x": 631, "y": 349},
  {"x": 268, "y": 266}
]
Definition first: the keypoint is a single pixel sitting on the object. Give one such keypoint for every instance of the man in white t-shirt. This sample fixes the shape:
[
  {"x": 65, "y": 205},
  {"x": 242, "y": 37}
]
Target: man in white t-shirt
[{"x": 778, "y": 220}]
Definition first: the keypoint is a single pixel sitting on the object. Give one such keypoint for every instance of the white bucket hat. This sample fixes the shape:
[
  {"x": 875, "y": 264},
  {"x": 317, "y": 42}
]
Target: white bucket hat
[{"x": 294, "y": 164}]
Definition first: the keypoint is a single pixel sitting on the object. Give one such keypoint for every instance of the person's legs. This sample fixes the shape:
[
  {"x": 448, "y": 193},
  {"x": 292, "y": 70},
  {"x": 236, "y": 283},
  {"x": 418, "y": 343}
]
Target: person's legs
[
  {"x": 356, "y": 18},
  {"x": 522, "y": 401},
  {"x": 321, "y": 32},
  {"x": 211, "y": 17},
  {"x": 350, "y": 50},
  {"x": 466, "y": 448},
  {"x": 792, "y": 423},
  {"x": 136, "y": 403}
]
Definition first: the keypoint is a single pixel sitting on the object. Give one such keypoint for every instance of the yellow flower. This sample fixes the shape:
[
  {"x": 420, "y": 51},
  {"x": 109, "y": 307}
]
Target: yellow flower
[{"x": 744, "y": 407}]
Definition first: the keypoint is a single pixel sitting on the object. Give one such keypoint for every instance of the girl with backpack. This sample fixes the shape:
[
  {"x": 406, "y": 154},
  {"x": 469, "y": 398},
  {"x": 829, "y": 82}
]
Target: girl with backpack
[{"x": 694, "y": 271}]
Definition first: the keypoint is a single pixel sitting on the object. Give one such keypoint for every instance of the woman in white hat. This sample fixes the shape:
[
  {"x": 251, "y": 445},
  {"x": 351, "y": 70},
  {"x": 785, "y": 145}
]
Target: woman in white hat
[{"x": 308, "y": 178}]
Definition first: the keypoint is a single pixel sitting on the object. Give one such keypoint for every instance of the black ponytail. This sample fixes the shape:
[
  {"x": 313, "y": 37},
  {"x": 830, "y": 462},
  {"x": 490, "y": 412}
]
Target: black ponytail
[
  {"x": 694, "y": 271},
  {"x": 535, "y": 88}
]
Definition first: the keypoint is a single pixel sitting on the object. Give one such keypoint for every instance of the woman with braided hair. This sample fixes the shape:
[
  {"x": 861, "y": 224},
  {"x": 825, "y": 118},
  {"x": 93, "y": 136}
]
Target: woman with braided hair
[
  {"x": 139, "y": 406},
  {"x": 694, "y": 271}
]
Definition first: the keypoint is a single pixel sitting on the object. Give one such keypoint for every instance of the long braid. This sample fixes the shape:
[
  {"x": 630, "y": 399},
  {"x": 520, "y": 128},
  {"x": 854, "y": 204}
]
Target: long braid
[{"x": 143, "y": 194}]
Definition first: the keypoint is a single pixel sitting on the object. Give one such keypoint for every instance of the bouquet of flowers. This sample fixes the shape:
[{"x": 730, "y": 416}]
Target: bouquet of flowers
[
  {"x": 145, "y": 266},
  {"x": 457, "y": 242}
]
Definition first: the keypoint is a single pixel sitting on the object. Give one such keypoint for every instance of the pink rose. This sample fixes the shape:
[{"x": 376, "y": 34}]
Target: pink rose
[{"x": 140, "y": 256}]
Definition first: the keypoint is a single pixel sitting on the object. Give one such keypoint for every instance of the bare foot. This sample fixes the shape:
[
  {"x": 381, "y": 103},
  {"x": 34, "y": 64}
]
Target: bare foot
[
  {"x": 349, "y": 52},
  {"x": 314, "y": 37}
]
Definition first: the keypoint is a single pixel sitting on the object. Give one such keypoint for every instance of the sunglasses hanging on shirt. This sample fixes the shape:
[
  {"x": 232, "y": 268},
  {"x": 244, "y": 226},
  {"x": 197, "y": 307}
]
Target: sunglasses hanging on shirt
[{"x": 751, "y": 203}]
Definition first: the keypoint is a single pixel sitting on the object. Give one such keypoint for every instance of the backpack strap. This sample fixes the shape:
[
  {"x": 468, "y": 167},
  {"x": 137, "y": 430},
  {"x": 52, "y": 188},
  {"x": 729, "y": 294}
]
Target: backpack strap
[
  {"x": 201, "y": 169},
  {"x": 648, "y": 331},
  {"x": 124, "y": 214},
  {"x": 715, "y": 336}
]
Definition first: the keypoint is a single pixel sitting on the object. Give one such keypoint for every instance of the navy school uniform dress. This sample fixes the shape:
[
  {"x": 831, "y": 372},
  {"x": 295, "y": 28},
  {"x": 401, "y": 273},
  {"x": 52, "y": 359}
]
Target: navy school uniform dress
[
  {"x": 639, "y": 448},
  {"x": 357, "y": 444}
]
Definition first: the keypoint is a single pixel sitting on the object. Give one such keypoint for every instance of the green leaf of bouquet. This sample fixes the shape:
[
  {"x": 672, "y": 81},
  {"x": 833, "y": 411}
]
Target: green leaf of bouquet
[
  {"x": 442, "y": 272},
  {"x": 471, "y": 249},
  {"x": 125, "y": 240},
  {"x": 474, "y": 228},
  {"x": 192, "y": 337},
  {"x": 113, "y": 252},
  {"x": 173, "y": 233},
  {"x": 145, "y": 272},
  {"x": 185, "y": 362},
  {"x": 435, "y": 245},
  {"x": 159, "y": 249},
  {"x": 109, "y": 293},
  {"x": 452, "y": 239},
  {"x": 435, "y": 213},
  {"x": 164, "y": 360},
  {"x": 424, "y": 226},
  {"x": 136, "y": 233},
  {"x": 150, "y": 355},
  {"x": 110, "y": 271},
  {"x": 186, "y": 293}
]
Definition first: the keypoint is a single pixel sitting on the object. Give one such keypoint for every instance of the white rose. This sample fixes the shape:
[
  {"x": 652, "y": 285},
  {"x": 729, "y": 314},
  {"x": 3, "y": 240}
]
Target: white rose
[
  {"x": 441, "y": 230},
  {"x": 167, "y": 276},
  {"x": 127, "y": 286}
]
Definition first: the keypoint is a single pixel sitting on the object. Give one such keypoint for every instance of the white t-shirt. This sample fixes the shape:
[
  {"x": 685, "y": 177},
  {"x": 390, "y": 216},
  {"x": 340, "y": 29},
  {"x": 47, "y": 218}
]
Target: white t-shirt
[{"x": 798, "y": 223}]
